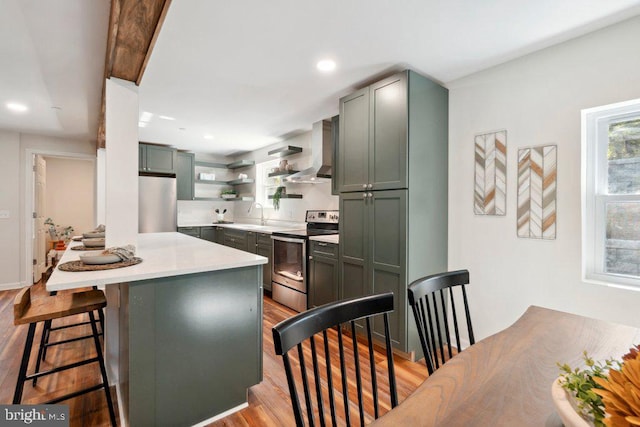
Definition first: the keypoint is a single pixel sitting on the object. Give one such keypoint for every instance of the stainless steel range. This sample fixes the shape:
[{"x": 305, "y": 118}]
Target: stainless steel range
[{"x": 289, "y": 278}]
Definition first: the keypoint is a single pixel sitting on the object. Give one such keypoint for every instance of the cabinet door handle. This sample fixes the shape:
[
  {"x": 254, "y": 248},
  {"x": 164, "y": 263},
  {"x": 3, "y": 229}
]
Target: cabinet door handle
[
  {"x": 322, "y": 244},
  {"x": 370, "y": 186},
  {"x": 364, "y": 195},
  {"x": 369, "y": 195},
  {"x": 364, "y": 186},
  {"x": 310, "y": 257}
]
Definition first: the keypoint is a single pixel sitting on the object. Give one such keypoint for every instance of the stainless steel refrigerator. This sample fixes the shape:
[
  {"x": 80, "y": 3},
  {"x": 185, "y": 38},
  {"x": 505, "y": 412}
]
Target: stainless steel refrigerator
[{"x": 157, "y": 204}]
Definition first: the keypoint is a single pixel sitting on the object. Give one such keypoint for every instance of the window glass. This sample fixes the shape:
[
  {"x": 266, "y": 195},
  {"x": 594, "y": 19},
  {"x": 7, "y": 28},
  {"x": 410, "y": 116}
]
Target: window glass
[
  {"x": 624, "y": 157},
  {"x": 611, "y": 196},
  {"x": 623, "y": 238}
]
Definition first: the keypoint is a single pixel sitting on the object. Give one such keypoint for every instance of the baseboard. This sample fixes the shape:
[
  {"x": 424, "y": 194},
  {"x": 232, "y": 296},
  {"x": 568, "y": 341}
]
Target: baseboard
[
  {"x": 9, "y": 286},
  {"x": 222, "y": 415},
  {"x": 123, "y": 422}
]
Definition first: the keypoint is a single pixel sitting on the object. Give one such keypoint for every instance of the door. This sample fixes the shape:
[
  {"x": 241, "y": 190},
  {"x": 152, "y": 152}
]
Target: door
[
  {"x": 208, "y": 233},
  {"x": 39, "y": 241},
  {"x": 353, "y": 246},
  {"x": 160, "y": 159},
  {"x": 388, "y": 134},
  {"x": 290, "y": 263},
  {"x": 323, "y": 280},
  {"x": 157, "y": 204},
  {"x": 185, "y": 176},
  {"x": 353, "y": 149},
  {"x": 265, "y": 251},
  {"x": 387, "y": 211}
]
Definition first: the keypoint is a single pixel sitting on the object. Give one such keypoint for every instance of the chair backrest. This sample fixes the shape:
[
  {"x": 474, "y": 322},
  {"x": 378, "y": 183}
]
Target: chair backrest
[
  {"x": 302, "y": 328},
  {"x": 431, "y": 298}
]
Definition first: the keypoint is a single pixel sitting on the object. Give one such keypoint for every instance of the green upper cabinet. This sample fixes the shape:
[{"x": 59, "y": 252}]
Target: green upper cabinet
[
  {"x": 373, "y": 149},
  {"x": 185, "y": 176},
  {"x": 157, "y": 159},
  {"x": 353, "y": 148}
]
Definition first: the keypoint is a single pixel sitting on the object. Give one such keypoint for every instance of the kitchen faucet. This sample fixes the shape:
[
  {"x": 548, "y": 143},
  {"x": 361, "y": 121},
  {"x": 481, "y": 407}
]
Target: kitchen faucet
[{"x": 262, "y": 221}]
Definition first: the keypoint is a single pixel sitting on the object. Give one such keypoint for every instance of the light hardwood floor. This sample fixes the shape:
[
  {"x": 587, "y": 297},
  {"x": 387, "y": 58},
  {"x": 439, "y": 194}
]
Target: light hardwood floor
[{"x": 269, "y": 403}]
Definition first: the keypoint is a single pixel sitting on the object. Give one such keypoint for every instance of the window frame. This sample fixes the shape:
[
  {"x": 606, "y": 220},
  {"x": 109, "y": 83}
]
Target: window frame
[
  {"x": 263, "y": 182},
  {"x": 595, "y": 196}
]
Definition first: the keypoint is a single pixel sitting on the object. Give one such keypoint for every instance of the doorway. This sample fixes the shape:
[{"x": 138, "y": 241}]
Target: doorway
[{"x": 62, "y": 187}]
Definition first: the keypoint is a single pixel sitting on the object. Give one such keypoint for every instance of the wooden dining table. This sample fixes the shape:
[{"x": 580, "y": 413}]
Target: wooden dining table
[{"x": 505, "y": 379}]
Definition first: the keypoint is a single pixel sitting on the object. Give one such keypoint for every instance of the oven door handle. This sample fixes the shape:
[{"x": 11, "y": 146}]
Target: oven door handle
[{"x": 287, "y": 239}]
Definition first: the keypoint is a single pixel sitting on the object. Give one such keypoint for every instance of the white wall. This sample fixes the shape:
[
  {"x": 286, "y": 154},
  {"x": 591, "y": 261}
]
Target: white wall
[
  {"x": 315, "y": 196},
  {"x": 537, "y": 99},
  {"x": 14, "y": 231},
  {"x": 121, "y": 174},
  {"x": 10, "y": 201},
  {"x": 70, "y": 195}
]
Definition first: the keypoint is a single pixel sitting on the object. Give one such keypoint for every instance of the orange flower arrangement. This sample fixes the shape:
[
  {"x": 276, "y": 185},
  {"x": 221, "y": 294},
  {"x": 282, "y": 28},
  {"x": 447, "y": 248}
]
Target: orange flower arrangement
[{"x": 621, "y": 392}]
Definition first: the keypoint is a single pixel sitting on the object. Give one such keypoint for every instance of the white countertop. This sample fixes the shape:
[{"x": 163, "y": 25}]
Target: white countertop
[
  {"x": 267, "y": 229},
  {"x": 163, "y": 255},
  {"x": 331, "y": 238}
]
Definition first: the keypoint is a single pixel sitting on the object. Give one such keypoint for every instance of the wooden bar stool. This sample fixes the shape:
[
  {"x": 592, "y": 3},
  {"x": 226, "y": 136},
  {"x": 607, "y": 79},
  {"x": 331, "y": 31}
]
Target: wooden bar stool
[
  {"x": 32, "y": 311},
  {"x": 48, "y": 328}
]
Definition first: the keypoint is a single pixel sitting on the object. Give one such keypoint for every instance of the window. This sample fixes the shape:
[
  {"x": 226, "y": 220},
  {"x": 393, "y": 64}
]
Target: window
[
  {"x": 266, "y": 186},
  {"x": 611, "y": 194}
]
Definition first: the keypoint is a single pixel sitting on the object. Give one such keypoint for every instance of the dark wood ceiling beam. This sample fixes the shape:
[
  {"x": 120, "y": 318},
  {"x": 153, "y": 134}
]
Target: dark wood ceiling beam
[{"x": 134, "y": 26}]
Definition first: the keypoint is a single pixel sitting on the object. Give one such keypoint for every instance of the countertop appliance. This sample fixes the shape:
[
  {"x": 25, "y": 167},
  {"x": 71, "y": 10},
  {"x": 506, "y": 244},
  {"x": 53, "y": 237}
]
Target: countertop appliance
[
  {"x": 157, "y": 204},
  {"x": 290, "y": 248}
]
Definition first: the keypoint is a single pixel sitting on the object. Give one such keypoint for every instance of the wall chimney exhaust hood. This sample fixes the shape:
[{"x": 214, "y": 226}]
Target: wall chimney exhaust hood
[{"x": 321, "y": 152}]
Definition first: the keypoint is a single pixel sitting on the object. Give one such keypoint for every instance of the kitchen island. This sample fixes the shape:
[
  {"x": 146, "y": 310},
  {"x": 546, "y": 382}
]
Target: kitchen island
[{"x": 184, "y": 328}]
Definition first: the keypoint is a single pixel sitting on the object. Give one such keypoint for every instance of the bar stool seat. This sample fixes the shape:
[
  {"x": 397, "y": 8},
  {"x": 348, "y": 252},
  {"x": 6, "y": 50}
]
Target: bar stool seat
[{"x": 31, "y": 311}]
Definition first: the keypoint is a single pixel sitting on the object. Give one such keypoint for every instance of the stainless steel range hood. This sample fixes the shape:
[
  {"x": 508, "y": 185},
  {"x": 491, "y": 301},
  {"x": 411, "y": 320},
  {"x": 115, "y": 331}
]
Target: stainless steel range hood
[{"x": 321, "y": 153}]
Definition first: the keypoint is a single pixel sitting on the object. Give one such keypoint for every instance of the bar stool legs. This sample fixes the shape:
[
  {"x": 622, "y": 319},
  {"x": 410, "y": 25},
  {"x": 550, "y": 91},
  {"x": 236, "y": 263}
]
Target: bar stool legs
[
  {"x": 46, "y": 334},
  {"x": 22, "y": 374},
  {"x": 59, "y": 307}
]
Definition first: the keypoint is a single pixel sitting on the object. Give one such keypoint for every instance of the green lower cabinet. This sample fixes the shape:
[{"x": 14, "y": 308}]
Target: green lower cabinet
[
  {"x": 323, "y": 280},
  {"x": 220, "y": 235},
  {"x": 208, "y": 233},
  {"x": 190, "y": 231},
  {"x": 265, "y": 251},
  {"x": 373, "y": 253},
  {"x": 237, "y": 239}
]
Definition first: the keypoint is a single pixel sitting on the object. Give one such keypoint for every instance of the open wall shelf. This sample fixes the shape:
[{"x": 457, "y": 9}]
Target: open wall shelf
[{"x": 287, "y": 150}]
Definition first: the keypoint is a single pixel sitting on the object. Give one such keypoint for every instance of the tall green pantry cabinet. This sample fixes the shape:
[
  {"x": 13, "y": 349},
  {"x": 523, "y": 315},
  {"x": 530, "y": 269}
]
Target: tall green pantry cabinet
[{"x": 392, "y": 177}]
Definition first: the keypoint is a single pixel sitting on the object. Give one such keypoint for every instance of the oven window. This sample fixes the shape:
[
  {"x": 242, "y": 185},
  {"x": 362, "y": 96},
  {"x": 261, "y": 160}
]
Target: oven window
[{"x": 288, "y": 259}]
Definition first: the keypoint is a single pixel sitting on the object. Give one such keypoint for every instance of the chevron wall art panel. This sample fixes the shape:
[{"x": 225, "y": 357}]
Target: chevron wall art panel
[
  {"x": 537, "y": 183},
  {"x": 490, "y": 190}
]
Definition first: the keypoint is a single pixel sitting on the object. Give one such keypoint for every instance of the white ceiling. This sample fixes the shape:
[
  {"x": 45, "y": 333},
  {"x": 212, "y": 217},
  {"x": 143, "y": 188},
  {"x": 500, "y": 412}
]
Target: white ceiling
[
  {"x": 52, "y": 55},
  {"x": 244, "y": 71}
]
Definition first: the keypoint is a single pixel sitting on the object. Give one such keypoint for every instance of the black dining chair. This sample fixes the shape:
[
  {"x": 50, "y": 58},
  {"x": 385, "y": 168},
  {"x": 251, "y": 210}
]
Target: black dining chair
[
  {"x": 431, "y": 299},
  {"x": 300, "y": 331}
]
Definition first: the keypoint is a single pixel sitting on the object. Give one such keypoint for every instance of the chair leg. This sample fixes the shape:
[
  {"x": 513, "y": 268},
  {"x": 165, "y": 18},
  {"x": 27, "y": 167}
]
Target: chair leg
[
  {"x": 101, "y": 320},
  {"x": 103, "y": 370},
  {"x": 42, "y": 351},
  {"x": 22, "y": 375}
]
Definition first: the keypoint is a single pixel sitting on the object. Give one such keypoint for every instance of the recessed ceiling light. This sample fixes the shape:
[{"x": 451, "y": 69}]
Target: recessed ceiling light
[
  {"x": 326, "y": 65},
  {"x": 166, "y": 118},
  {"x": 208, "y": 136},
  {"x": 142, "y": 124},
  {"x": 146, "y": 116},
  {"x": 18, "y": 108}
]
